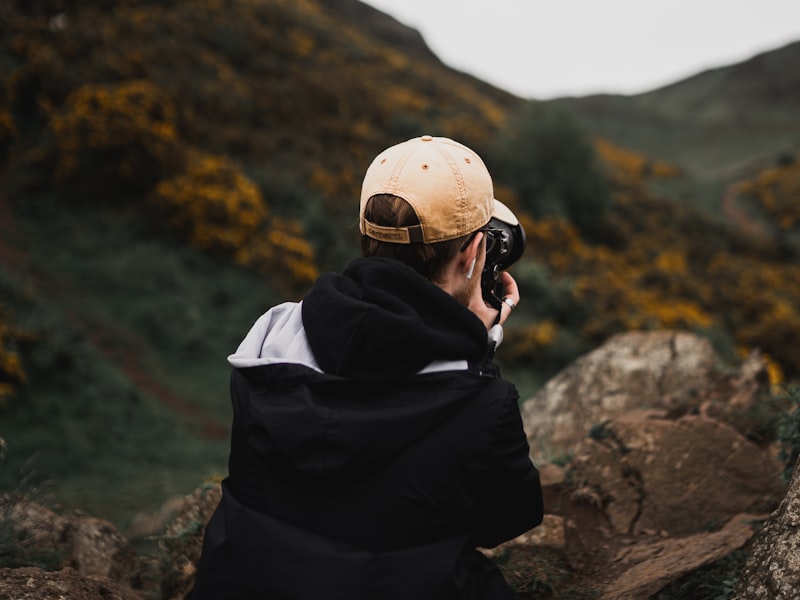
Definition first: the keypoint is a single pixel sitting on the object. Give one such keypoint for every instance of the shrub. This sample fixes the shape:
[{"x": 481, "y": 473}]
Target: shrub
[
  {"x": 551, "y": 164},
  {"x": 627, "y": 168},
  {"x": 283, "y": 252},
  {"x": 115, "y": 141},
  {"x": 212, "y": 205},
  {"x": 216, "y": 208},
  {"x": 777, "y": 190}
]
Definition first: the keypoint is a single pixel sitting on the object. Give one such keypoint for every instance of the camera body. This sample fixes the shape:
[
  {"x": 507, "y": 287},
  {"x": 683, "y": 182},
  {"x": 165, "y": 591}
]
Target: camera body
[{"x": 505, "y": 243}]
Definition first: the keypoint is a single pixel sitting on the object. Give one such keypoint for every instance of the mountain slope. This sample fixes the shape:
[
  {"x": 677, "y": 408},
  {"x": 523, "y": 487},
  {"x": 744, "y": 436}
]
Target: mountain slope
[
  {"x": 380, "y": 26},
  {"x": 718, "y": 124},
  {"x": 98, "y": 373},
  {"x": 301, "y": 94}
]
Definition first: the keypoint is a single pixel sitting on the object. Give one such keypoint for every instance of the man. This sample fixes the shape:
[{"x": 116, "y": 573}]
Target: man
[{"x": 374, "y": 445}]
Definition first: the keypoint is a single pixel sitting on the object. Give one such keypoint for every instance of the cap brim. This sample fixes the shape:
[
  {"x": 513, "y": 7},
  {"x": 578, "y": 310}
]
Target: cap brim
[{"x": 504, "y": 214}]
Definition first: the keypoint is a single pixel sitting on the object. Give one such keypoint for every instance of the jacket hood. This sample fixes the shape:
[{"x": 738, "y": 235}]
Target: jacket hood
[
  {"x": 381, "y": 319},
  {"x": 370, "y": 361},
  {"x": 277, "y": 337}
]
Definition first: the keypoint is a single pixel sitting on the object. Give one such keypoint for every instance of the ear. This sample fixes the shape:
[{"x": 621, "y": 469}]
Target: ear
[{"x": 469, "y": 255}]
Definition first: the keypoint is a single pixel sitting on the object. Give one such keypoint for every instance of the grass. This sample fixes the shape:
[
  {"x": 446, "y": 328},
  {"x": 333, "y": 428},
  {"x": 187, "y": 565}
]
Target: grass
[
  {"x": 714, "y": 581},
  {"x": 183, "y": 312},
  {"x": 90, "y": 440},
  {"x": 106, "y": 290},
  {"x": 538, "y": 573},
  {"x": 16, "y": 553}
]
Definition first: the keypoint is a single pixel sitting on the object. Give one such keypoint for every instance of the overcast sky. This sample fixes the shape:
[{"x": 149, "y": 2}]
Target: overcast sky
[{"x": 550, "y": 48}]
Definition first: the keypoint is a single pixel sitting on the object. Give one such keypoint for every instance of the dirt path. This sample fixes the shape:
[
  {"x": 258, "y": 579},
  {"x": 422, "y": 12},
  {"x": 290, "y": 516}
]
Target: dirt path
[{"x": 118, "y": 347}]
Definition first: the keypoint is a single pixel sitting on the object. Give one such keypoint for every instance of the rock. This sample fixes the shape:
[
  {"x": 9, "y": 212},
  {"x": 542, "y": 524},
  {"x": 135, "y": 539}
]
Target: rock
[
  {"x": 96, "y": 548},
  {"x": 182, "y": 542},
  {"x": 656, "y": 564},
  {"x": 743, "y": 399},
  {"x": 91, "y": 546},
  {"x": 676, "y": 476},
  {"x": 550, "y": 475},
  {"x": 146, "y": 525},
  {"x": 751, "y": 382},
  {"x": 535, "y": 563},
  {"x": 550, "y": 534},
  {"x": 32, "y": 583},
  {"x": 36, "y": 529},
  {"x": 772, "y": 570},
  {"x": 631, "y": 370}
]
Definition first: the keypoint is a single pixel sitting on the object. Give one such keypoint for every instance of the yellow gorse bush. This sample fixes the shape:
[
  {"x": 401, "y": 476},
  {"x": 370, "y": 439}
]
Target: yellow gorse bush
[
  {"x": 761, "y": 301},
  {"x": 653, "y": 282},
  {"x": 774, "y": 371},
  {"x": 213, "y": 205},
  {"x": 621, "y": 287},
  {"x": 777, "y": 190},
  {"x": 216, "y": 208},
  {"x": 283, "y": 252},
  {"x": 630, "y": 168},
  {"x": 115, "y": 135}
]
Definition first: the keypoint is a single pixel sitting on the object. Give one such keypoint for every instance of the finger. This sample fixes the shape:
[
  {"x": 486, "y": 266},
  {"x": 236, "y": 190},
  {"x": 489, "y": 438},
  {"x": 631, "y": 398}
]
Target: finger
[
  {"x": 510, "y": 287},
  {"x": 506, "y": 307},
  {"x": 507, "y": 301}
]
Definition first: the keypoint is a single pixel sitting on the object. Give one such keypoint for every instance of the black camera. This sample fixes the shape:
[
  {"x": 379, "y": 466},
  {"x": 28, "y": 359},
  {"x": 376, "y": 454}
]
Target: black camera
[{"x": 505, "y": 243}]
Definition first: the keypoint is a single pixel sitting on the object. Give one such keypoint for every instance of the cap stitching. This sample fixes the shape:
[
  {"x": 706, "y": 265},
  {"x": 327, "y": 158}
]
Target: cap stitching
[
  {"x": 399, "y": 166},
  {"x": 462, "y": 201}
]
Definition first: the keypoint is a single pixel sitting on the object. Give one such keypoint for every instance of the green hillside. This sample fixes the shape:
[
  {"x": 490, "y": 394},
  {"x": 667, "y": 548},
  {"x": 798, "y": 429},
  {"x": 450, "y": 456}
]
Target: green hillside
[
  {"x": 719, "y": 124},
  {"x": 172, "y": 169}
]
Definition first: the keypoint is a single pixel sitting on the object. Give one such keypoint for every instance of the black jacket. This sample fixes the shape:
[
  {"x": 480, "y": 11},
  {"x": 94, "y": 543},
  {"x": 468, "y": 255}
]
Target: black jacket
[{"x": 373, "y": 447}]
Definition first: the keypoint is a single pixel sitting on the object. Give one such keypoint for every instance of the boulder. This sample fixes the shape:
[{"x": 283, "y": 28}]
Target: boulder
[
  {"x": 772, "y": 570},
  {"x": 654, "y": 475},
  {"x": 631, "y": 370},
  {"x": 182, "y": 542},
  {"x": 91, "y": 546},
  {"x": 648, "y": 567},
  {"x": 95, "y": 547},
  {"x": 551, "y": 475}
]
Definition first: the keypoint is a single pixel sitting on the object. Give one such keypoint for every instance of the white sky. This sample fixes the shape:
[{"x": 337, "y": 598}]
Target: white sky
[{"x": 550, "y": 48}]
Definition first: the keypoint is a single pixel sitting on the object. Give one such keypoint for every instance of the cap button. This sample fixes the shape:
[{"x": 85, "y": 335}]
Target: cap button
[{"x": 427, "y": 138}]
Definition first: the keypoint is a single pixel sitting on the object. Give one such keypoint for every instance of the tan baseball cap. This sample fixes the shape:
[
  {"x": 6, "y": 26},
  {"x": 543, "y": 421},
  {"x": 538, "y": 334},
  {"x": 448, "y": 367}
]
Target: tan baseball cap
[{"x": 446, "y": 183}]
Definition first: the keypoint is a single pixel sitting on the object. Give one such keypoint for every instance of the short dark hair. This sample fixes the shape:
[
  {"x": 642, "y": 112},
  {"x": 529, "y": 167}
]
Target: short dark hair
[{"x": 429, "y": 260}]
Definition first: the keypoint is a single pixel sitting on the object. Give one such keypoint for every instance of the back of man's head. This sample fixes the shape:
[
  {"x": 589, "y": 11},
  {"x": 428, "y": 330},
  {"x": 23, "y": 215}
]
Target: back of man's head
[{"x": 421, "y": 199}]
